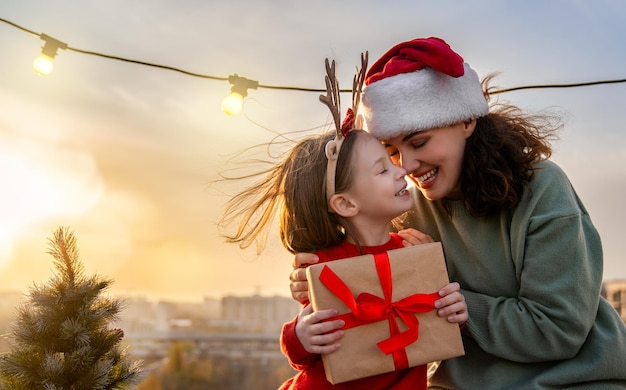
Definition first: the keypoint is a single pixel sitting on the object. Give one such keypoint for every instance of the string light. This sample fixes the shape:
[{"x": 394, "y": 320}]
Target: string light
[
  {"x": 238, "y": 91},
  {"x": 233, "y": 103},
  {"x": 43, "y": 63}
]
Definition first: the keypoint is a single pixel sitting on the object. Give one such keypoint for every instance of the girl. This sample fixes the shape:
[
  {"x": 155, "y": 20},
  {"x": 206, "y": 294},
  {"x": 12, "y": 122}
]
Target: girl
[
  {"x": 515, "y": 234},
  {"x": 337, "y": 194}
]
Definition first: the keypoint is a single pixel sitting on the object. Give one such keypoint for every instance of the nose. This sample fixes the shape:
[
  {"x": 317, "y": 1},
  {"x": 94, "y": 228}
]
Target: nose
[
  {"x": 408, "y": 164},
  {"x": 401, "y": 172}
]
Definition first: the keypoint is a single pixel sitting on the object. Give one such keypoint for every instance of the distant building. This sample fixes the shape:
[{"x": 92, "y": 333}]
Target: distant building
[
  {"x": 244, "y": 328},
  {"x": 140, "y": 315},
  {"x": 9, "y": 301},
  {"x": 230, "y": 314},
  {"x": 258, "y": 314},
  {"x": 615, "y": 292}
]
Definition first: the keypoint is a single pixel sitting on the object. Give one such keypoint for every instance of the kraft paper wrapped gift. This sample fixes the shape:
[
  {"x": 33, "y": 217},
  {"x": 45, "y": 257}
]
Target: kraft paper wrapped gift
[{"x": 411, "y": 277}]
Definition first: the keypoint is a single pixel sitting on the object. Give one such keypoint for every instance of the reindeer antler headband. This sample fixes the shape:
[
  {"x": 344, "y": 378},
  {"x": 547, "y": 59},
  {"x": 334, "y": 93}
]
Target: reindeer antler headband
[{"x": 351, "y": 121}]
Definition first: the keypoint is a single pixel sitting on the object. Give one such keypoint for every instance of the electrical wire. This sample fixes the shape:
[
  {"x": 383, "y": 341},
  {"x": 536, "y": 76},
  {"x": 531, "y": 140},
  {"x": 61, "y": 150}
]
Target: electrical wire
[
  {"x": 558, "y": 86},
  {"x": 93, "y": 53},
  {"x": 292, "y": 88}
]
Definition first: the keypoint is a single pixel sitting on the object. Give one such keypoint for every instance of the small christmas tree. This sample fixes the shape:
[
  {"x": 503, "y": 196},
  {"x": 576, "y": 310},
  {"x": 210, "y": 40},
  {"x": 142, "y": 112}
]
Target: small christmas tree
[{"x": 62, "y": 338}]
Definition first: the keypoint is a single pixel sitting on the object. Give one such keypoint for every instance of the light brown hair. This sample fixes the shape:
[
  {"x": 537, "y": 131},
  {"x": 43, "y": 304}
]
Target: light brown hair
[{"x": 295, "y": 188}]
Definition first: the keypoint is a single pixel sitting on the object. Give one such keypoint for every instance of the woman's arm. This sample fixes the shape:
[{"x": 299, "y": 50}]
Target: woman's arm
[{"x": 557, "y": 255}]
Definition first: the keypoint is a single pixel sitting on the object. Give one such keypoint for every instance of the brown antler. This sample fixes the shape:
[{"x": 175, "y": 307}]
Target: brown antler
[
  {"x": 357, "y": 87},
  {"x": 332, "y": 101},
  {"x": 332, "y": 95}
]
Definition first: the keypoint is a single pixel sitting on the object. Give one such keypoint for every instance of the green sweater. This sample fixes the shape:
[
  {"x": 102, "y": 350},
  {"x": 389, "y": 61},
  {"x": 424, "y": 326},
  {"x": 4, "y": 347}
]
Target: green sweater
[{"x": 531, "y": 277}]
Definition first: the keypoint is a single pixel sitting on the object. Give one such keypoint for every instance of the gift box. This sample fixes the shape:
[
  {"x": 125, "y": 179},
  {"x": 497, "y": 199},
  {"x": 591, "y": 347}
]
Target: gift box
[{"x": 387, "y": 301}]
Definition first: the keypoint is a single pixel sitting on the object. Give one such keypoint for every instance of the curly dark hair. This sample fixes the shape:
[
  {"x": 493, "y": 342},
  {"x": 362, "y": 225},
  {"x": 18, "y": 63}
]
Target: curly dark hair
[{"x": 501, "y": 154}]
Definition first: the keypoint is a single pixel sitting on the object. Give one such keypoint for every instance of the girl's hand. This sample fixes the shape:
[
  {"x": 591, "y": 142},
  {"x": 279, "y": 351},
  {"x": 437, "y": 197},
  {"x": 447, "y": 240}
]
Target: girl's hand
[
  {"x": 452, "y": 304},
  {"x": 413, "y": 237},
  {"x": 316, "y": 336},
  {"x": 298, "y": 284}
]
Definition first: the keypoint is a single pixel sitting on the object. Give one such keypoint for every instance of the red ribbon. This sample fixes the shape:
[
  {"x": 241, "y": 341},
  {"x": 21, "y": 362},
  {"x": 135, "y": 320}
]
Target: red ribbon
[
  {"x": 348, "y": 122},
  {"x": 369, "y": 308}
]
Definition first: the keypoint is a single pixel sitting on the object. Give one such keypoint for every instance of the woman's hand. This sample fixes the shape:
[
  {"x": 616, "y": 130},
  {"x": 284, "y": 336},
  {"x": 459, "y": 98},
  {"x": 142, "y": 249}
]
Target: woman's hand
[
  {"x": 298, "y": 284},
  {"x": 452, "y": 304},
  {"x": 413, "y": 237},
  {"x": 317, "y": 336}
]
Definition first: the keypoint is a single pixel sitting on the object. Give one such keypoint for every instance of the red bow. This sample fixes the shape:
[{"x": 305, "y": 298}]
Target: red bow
[
  {"x": 348, "y": 122},
  {"x": 368, "y": 308}
]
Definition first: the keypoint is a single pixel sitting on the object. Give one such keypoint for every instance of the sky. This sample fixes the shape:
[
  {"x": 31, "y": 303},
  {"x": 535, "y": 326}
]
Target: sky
[{"x": 127, "y": 156}]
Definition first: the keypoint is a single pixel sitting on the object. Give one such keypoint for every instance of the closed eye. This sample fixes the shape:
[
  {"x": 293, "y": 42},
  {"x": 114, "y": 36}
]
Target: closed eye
[
  {"x": 419, "y": 143},
  {"x": 393, "y": 153}
]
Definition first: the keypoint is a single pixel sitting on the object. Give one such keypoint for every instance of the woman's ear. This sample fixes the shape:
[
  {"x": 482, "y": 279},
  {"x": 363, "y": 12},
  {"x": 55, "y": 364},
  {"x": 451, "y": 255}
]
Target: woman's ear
[
  {"x": 468, "y": 127},
  {"x": 342, "y": 205}
]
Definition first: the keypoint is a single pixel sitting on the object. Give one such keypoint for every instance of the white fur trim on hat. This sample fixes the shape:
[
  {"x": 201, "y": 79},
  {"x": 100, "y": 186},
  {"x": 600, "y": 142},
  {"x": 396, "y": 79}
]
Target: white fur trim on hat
[{"x": 421, "y": 100}]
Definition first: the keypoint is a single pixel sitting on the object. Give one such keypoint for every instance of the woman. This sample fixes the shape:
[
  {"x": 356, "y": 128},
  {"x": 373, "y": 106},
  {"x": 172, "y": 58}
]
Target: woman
[{"x": 515, "y": 234}]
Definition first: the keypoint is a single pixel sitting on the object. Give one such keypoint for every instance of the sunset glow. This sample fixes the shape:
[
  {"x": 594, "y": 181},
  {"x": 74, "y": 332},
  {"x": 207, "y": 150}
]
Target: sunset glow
[
  {"x": 41, "y": 183},
  {"x": 127, "y": 155}
]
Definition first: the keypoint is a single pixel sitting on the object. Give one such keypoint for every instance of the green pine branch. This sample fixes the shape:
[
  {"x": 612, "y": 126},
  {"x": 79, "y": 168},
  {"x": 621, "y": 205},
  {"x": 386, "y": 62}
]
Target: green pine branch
[{"x": 62, "y": 338}]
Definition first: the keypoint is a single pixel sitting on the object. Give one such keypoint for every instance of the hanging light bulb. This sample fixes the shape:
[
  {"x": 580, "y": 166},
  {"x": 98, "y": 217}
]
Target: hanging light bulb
[
  {"x": 233, "y": 103},
  {"x": 43, "y": 63}
]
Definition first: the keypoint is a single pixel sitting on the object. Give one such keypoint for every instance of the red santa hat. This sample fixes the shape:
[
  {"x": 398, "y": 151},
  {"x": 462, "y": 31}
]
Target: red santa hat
[{"x": 418, "y": 85}]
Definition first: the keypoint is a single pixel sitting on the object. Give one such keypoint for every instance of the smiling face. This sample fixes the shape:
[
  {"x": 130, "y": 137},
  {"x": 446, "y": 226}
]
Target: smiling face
[
  {"x": 433, "y": 158},
  {"x": 379, "y": 187}
]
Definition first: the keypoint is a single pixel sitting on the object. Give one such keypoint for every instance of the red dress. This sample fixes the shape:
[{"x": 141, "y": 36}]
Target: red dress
[{"x": 311, "y": 370}]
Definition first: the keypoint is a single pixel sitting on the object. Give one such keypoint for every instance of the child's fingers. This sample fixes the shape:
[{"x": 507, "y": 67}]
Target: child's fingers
[
  {"x": 325, "y": 348},
  {"x": 299, "y": 291},
  {"x": 450, "y": 299},
  {"x": 320, "y": 336},
  {"x": 460, "y": 318},
  {"x": 452, "y": 303},
  {"x": 326, "y": 342},
  {"x": 298, "y": 275},
  {"x": 303, "y": 259},
  {"x": 323, "y": 324},
  {"x": 300, "y": 296},
  {"x": 452, "y": 309},
  {"x": 414, "y": 237},
  {"x": 449, "y": 289}
]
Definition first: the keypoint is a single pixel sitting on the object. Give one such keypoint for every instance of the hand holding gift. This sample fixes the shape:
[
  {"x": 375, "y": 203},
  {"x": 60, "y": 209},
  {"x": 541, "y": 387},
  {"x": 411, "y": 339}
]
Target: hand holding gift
[{"x": 388, "y": 304}]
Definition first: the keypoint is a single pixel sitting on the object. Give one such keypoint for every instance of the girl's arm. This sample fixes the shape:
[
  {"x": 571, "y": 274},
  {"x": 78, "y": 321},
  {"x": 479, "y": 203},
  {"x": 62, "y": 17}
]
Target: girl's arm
[
  {"x": 315, "y": 334},
  {"x": 303, "y": 339}
]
